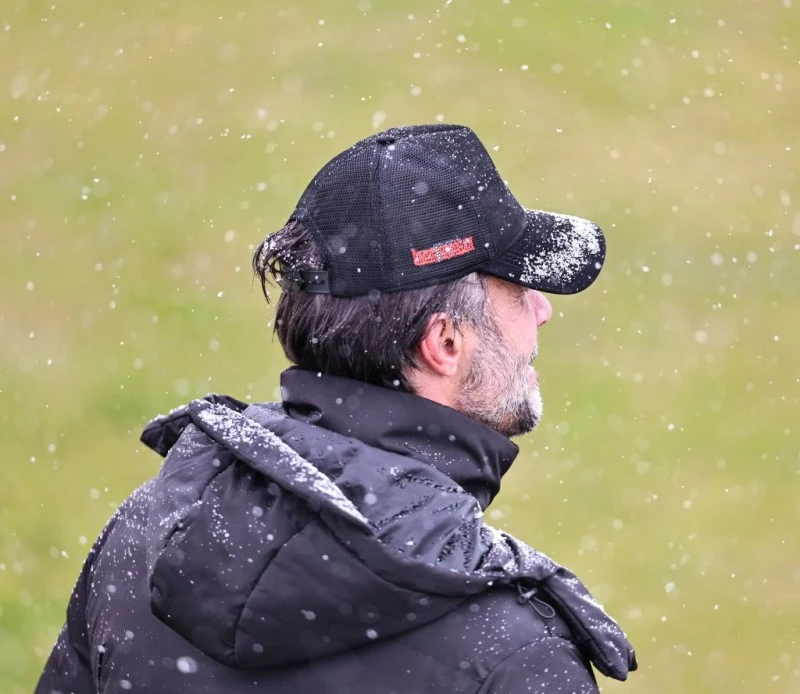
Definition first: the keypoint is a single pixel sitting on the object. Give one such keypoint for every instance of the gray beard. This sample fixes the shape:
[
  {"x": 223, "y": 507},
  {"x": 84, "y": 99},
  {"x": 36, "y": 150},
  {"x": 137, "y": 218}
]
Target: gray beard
[{"x": 496, "y": 391}]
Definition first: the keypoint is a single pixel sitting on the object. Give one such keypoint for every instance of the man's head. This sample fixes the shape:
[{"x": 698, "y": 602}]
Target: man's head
[{"x": 409, "y": 264}]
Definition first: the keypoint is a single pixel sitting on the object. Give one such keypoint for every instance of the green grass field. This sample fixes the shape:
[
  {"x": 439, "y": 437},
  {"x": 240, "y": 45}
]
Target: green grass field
[{"x": 145, "y": 148}]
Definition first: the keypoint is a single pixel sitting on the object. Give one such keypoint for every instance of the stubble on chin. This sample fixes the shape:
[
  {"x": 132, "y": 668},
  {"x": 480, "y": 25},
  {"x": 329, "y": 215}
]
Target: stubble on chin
[
  {"x": 537, "y": 404},
  {"x": 499, "y": 394},
  {"x": 525, "y": 416}
]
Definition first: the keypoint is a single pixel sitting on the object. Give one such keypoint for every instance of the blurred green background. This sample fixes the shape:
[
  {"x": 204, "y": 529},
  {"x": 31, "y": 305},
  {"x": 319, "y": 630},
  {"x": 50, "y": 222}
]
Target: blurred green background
[{"x": 145, "y": 148}]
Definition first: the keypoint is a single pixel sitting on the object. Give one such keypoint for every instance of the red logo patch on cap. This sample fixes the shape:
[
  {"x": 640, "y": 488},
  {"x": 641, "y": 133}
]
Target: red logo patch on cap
[{"x": 443, "y": 251}]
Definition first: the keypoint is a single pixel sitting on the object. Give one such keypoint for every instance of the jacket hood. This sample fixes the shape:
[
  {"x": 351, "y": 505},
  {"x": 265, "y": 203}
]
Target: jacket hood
[{"x": 273, "y": 541}]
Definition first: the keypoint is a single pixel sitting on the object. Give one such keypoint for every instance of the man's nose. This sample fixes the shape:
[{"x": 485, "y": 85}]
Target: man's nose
[{"x": 542, "y": 308}]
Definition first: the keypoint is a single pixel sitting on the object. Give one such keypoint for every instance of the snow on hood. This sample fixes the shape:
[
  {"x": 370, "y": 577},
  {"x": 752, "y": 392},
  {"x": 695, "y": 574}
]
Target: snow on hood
[{"x": 272, "y": 541}]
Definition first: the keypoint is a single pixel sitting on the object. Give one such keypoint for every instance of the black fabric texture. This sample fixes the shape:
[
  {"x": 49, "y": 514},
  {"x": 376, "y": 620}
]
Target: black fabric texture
[
  {"x": 281, "y": 549},
  {"x": 473, "y": 456},
  {"x": 557, "y": 254},
  {"x": 420, "y": 205}
]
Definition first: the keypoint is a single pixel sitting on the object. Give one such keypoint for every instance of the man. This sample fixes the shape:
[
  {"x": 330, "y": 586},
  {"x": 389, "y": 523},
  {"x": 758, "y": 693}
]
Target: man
[{"x": 334, "y": 542}]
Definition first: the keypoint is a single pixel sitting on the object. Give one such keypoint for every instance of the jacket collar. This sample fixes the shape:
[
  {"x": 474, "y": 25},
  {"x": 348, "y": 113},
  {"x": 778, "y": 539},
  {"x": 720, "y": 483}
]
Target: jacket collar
[{"x": 471, "y": 454}]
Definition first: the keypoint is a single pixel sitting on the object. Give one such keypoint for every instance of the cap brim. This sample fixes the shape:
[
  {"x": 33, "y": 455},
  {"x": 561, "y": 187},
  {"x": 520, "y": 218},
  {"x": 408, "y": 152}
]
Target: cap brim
[{"x": 555, "y": 253}]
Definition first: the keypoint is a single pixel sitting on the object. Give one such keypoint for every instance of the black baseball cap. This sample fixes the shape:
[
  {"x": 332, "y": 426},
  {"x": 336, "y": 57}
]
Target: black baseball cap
[{"x": 420, "y": 205}]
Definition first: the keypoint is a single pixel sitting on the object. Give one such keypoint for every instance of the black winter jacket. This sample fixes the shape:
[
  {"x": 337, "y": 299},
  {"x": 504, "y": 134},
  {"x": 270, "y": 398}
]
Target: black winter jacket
[{"x": 331, "y": 543}]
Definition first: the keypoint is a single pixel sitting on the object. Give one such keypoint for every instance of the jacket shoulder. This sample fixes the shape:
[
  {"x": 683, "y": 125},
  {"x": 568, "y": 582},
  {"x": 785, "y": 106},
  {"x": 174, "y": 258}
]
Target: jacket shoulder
[
  {"x": 551, "y": 664},
  {"x": 492, "y": 633}
]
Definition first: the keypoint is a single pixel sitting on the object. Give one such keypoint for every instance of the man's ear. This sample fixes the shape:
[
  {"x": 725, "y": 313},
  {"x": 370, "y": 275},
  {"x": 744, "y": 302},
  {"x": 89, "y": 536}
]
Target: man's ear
[{"x": 442, "y": 347}]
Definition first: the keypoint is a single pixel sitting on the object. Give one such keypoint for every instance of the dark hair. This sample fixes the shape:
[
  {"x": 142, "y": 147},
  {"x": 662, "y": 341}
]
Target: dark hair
[{"x": 370, "y": 338}]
